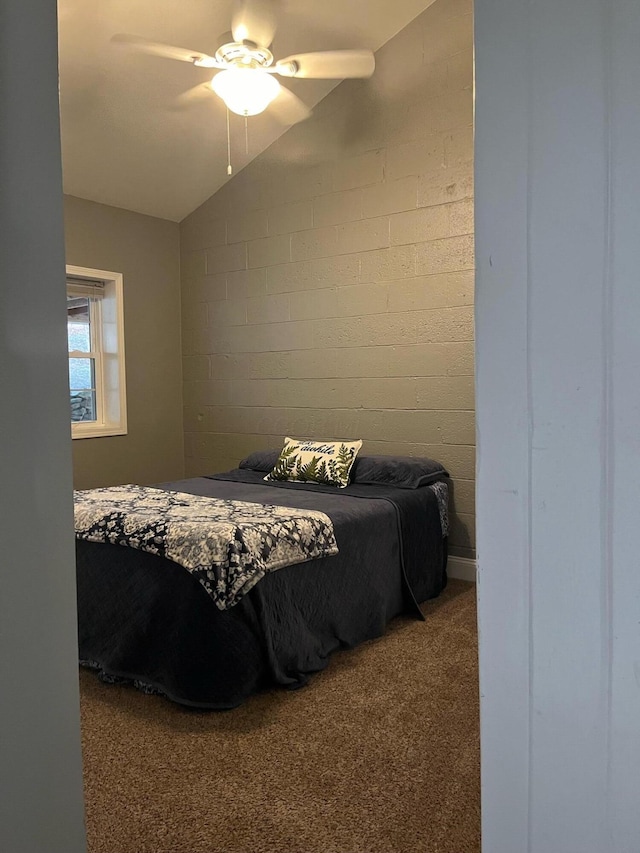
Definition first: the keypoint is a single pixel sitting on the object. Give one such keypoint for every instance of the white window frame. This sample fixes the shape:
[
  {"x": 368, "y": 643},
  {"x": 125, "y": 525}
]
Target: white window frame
[{"x": 107, "y": 343}]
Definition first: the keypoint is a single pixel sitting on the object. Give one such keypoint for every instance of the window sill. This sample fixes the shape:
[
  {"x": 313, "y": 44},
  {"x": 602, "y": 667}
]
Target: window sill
[{"x": 96, "y": 430}]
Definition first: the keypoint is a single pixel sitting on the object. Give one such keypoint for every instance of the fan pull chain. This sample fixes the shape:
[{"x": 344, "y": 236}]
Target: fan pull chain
[
  {"x": 246, "y": 135},
  {"x": 229, "y": 169}
]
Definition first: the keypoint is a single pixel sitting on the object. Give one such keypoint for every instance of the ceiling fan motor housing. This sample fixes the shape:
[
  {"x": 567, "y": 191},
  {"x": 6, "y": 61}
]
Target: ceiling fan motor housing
[{"x": 244, "y": 53}]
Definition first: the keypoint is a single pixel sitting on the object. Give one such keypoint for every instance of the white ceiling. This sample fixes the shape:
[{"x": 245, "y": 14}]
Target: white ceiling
[{"x": 125, "y": 140}]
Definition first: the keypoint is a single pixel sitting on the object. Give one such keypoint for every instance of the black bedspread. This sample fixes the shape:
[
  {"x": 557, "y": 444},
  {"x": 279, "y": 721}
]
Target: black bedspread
[{"x": 144, "y": 618}]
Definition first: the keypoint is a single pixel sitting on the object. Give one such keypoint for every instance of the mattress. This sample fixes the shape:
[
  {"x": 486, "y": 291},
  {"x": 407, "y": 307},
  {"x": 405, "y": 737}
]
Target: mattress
[{"x": 144, "y": 619}]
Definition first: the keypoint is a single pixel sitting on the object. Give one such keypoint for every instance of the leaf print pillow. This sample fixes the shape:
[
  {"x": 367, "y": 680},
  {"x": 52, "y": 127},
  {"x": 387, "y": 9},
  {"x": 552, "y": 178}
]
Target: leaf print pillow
[{"x": 312, "y": 461}]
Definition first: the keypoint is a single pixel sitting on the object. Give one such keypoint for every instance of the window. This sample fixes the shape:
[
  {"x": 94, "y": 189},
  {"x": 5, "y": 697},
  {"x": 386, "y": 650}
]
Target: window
[{"x": 95, "y": 333}]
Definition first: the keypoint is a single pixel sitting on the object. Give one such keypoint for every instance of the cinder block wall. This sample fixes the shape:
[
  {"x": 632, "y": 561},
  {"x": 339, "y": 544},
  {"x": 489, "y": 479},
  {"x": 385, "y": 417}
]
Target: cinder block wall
[{"x": 328, "y": 287}]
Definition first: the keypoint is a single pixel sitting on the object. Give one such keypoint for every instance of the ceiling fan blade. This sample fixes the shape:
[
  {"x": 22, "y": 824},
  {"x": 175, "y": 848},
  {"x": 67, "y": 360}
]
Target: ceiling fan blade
[
  {"x": 196, "y": 94},
  {"x": 166, "y": 51},
  {"x": 287, "y": 108},
  {"x": 328, "y": 64},
  {"x": 225, "y": 37},
  {"x": 254, "y": 20}
]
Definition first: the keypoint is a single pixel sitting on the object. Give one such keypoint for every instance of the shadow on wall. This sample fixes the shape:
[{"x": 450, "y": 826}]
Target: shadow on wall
[{"x": 459, "y": 532}]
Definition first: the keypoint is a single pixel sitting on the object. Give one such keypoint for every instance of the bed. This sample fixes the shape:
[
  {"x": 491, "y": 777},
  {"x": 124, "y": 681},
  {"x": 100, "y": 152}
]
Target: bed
[{"x": 144, "y": 619}]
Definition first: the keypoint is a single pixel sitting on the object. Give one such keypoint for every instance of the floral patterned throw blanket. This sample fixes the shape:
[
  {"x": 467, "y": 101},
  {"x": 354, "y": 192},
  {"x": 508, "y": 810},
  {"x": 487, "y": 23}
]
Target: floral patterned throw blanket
[{"x": 227, "y": 545}]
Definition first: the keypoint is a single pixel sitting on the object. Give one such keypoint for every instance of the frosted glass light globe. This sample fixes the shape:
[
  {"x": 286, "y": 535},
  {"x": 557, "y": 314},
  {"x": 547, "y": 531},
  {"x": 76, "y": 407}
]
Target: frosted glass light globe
[{"x": 246, "y": 91}]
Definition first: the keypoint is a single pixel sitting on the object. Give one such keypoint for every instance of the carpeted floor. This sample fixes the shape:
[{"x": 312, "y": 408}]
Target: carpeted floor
[{"x": 379, "y": 754}]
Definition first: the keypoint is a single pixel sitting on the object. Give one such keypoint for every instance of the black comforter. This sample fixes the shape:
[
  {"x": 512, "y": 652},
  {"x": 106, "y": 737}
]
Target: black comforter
[{"x": 146, "y": 619}]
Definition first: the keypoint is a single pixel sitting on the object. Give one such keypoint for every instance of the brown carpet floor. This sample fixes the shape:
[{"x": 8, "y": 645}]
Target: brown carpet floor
[{"x": 378, "y": 754}]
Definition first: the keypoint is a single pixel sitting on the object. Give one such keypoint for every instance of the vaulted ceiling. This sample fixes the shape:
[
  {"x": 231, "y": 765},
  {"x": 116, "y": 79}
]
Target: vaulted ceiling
[{"x": 128, "y": 141}]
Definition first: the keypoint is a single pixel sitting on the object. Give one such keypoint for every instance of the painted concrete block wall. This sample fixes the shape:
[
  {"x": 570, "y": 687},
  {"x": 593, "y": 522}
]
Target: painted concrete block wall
[{"x": 328, "y": 287}]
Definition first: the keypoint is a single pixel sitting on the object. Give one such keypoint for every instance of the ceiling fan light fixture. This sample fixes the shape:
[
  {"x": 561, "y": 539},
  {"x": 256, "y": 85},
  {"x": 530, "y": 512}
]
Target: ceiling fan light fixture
[{"x": 245, "y": 91}]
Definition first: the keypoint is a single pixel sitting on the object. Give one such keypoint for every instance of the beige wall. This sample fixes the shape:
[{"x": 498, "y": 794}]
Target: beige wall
[
  {"x": 327, "y": 289},
  {"x": 146, "y": 251}
]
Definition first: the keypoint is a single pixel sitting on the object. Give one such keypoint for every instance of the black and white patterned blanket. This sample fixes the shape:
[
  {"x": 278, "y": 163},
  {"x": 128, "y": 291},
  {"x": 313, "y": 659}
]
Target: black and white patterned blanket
[
  {"x": 227, "y": 545},
  {"x": 441, "y": 491}
]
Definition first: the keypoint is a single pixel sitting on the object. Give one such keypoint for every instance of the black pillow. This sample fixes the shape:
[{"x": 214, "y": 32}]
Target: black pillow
[
  {"x": 403, "y": 472},
  {"x": 260, "y": 460}
]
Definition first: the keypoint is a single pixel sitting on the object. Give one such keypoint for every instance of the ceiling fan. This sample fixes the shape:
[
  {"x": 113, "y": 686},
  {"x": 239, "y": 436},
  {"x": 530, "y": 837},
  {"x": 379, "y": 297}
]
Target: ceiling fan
[{"x": 245, "y": 76}]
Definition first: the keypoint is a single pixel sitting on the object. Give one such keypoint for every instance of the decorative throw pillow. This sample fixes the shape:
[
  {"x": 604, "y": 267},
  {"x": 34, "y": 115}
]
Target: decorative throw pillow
[{"x": 309, "y": 461}]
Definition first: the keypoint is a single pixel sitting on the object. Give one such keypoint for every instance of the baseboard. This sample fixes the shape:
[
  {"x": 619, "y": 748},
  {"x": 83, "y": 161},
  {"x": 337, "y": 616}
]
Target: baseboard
[{"x": 461, "y": 568}]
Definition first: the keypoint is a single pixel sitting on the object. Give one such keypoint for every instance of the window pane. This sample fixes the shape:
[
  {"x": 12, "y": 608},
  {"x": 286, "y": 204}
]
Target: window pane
[
  {"x": 81, "y": 374},
  {"x": 83, "y": 406},
  {"x": 78, "y": 324},
  {"x": 82, "y": 385}
]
